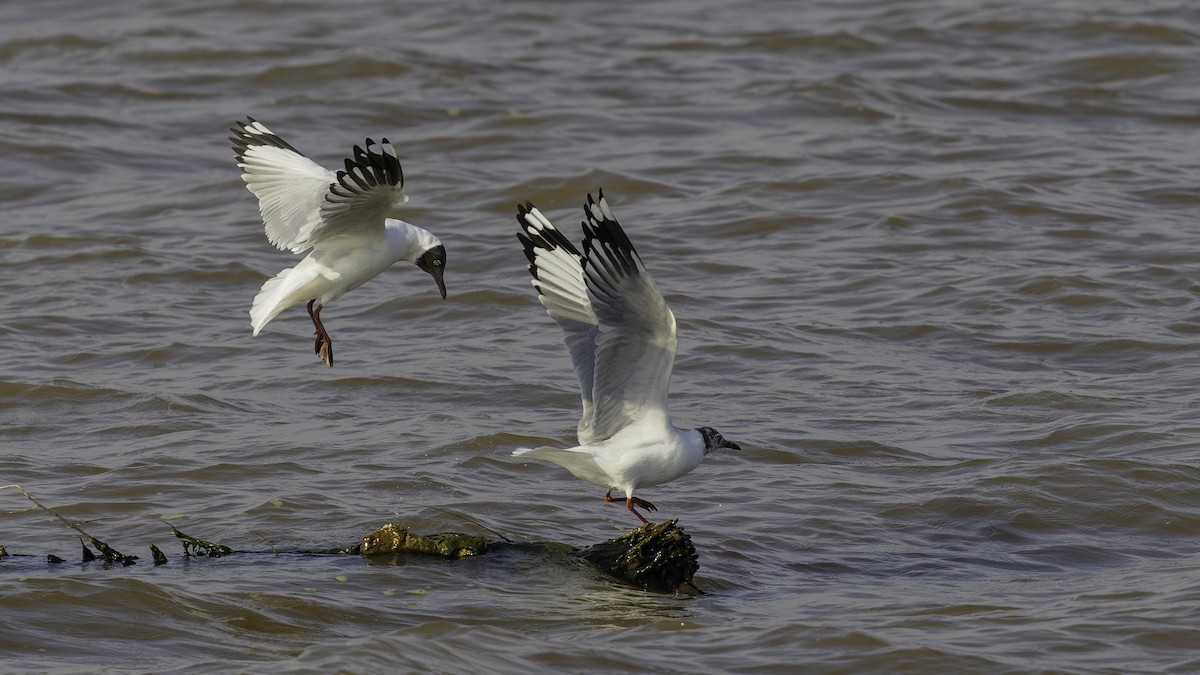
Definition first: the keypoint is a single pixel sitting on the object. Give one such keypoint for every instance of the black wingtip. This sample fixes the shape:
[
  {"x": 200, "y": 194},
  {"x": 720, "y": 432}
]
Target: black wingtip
[
  {"x": 243, "y": 138},
  {"x": 528, "y": 246},
  {"x": 548, "y": 238},
  {"x": 367, "y": 169},
  {"x": 241, "y": 126},
  {"x": 602, "y": 232},
  {"x": 596, "y": 200}
]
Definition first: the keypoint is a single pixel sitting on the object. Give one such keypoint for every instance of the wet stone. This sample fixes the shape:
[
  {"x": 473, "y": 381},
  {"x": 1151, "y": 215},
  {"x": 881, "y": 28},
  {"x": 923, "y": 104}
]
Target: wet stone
[
  {"x": 391, "y": 539},
  {"x": 656, "y": 557}
]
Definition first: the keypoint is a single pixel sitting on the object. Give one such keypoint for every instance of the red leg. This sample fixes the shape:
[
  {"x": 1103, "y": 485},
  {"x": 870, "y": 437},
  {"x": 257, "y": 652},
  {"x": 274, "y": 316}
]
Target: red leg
[{"x": 630, "y": 502}]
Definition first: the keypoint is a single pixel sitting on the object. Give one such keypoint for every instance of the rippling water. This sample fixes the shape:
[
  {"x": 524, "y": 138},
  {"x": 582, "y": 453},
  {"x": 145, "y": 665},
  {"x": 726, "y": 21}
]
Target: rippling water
[{"x": 934, "y": 266}]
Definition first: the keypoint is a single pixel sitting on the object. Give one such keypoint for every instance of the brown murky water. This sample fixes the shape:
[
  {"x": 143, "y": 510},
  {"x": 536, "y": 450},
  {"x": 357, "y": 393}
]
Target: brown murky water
[{"x": 934, "y": 266}]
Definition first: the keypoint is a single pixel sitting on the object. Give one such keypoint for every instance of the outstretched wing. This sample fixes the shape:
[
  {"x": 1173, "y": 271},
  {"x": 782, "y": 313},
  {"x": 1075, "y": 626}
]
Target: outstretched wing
[
  {"x": 302, "y": 202},
  {"x": 635, "y": 347},
  {"x": 557, "y": 269}
]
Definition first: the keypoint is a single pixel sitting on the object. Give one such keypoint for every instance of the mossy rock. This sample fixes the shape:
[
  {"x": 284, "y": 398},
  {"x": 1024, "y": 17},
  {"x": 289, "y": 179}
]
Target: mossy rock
[
  {"x": 656, "y": 556},
  {"x": 391, "y": 539}
]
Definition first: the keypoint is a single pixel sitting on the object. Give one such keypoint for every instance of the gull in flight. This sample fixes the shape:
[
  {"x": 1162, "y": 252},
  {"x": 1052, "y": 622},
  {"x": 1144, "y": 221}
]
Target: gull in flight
[
  {"x": 621, "y": 336},
  {"x": 341, "y": 216}
]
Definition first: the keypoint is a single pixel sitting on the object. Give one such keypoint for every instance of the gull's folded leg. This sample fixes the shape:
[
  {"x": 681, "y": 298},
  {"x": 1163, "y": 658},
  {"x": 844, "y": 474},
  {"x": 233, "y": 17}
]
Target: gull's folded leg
[{"x": 322, "y": 346}]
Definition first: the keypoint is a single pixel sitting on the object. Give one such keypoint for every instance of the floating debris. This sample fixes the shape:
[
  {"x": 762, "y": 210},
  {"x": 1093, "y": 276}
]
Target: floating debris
[
  {"x": 110, "y": 554},
  {"x": 160, "y": 558},
  {"x": 200, "y": 548}
]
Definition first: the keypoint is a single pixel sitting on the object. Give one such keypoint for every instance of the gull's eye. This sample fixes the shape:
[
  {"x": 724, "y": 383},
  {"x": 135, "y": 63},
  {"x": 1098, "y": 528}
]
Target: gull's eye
[{"x": 437, "y": 263}]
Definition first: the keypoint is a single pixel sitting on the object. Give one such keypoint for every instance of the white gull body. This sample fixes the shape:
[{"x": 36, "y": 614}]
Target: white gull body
[
  {"x": 622, "y": 339},
  {"x": 341, "y": 216}
]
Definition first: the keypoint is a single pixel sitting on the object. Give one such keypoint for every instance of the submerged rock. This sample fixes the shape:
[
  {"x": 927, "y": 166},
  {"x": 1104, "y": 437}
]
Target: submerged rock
[
  {"x": 655, "y": 556},
  {"x": 392, "y": 539}
]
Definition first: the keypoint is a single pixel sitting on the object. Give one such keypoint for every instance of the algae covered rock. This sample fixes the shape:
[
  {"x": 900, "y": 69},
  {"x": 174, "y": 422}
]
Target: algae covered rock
[
  {"x": 391, "y": 539},
  {"x": 655, "y": 556}
]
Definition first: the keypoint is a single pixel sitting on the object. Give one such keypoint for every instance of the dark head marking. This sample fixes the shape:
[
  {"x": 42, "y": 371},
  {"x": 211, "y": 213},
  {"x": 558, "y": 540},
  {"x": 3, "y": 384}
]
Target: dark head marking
[
  {"x": 713, "y": 440},
  {"x": 433, "y": 261}
]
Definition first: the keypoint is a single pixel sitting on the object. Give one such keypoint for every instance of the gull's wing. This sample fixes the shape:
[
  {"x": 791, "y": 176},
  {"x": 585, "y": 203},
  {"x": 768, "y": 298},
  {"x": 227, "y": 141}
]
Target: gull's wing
[
  {"x": 557, "y": 269},
  {"x": 635, "y": 348},
  {"x": 302, "y": 202}
]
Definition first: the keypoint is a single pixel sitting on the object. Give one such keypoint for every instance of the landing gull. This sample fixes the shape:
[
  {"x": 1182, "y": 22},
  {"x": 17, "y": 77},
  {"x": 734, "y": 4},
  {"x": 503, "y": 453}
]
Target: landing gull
[
  {"x": 341, "y": 216},
  {"x": 621, "y": 336}
]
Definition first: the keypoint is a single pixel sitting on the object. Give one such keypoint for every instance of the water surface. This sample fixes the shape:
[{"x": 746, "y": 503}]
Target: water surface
[{"x": 933, "y": 264}]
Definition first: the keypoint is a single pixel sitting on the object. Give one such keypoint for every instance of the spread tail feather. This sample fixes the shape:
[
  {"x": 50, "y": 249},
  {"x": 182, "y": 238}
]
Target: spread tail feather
[
  {"x": 269, "y": 301},
  {"x": 580, "y": 463}
]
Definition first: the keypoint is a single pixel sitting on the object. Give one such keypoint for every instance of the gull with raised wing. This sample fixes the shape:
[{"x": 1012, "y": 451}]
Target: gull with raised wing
[
  {"x": 621, "y": 336},
  {"x": 342, "y": 216}
]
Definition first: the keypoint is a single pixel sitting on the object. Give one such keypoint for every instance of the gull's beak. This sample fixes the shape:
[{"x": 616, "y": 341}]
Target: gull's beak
[
  {"x": 437, "y": 278},
  {"x": 433, "y": 262},
  {"x": 731, "y": 445}
]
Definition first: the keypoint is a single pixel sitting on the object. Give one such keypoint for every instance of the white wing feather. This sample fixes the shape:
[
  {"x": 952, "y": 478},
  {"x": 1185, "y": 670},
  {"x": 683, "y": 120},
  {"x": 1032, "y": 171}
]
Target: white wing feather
[
  {"x": 302, "y": 202},
  {"x": 557, "y": 269},
  {"x": 616, "y": 324},
  {"x": 635, "y": 349}
]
